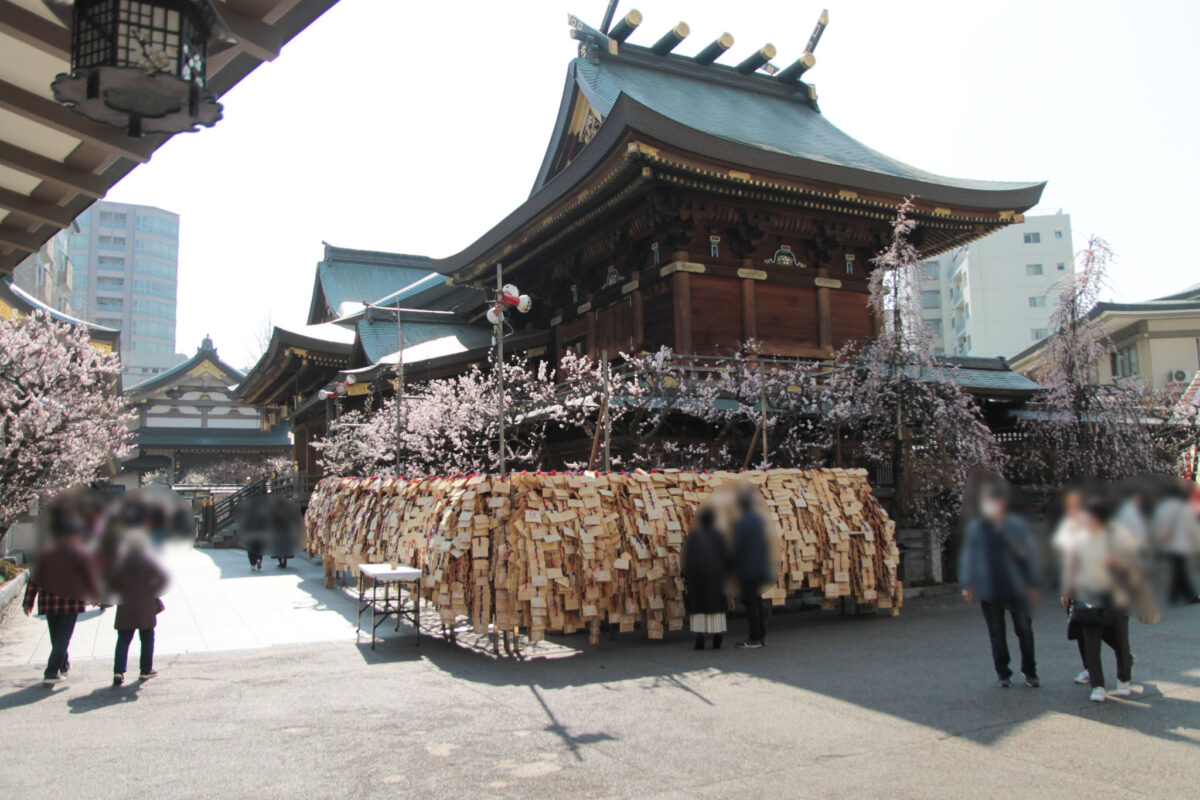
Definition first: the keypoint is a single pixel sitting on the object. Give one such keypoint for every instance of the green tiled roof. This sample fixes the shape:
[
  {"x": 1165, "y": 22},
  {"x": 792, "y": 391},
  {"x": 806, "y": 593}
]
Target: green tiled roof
[
  {"x": 378, "y": 337},
  {"x": 349, "y": 279}
]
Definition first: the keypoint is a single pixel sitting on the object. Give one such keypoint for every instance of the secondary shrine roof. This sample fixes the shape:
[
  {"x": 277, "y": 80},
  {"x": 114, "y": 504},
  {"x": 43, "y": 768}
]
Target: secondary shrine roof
[{"x": 349, "y": 279}]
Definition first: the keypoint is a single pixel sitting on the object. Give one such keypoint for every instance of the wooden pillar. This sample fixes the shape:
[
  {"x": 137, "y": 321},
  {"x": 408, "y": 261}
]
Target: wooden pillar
[
  {"x": 681, "y": 289},
  {"x": 639, "y": 319},
  {"x": 592, "y": 351},
  {"x": 558, "y": 338},
  {"x": 824, "y": 313},
  {"x": 749, "y": 312}
]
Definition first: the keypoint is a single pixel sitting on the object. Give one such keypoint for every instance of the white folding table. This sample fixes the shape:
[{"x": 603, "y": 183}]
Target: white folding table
[{"x": 375, "y": 574}]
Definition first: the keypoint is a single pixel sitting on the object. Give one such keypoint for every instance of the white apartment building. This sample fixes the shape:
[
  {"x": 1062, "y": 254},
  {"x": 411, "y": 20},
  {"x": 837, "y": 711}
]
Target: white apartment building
[{"x": 994, "y": 297}]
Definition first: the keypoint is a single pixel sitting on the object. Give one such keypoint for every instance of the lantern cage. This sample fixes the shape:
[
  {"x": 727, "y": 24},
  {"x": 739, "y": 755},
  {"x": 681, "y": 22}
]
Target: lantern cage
[{"x": 141, "y": 65}]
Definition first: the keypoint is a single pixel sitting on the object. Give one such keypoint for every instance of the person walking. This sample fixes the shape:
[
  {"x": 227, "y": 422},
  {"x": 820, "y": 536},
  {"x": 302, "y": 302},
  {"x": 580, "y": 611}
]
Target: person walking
[
  {"x": 1100, "y": 581},
  {"x": 1175, "y": 531},
  {"x": 752, "y": 566},
  {"x": 705, "y": 572},
  {"x": 138, "y": 582},
  {"x": 63, "y": 581},
  {"x": 999, "y": 566}
]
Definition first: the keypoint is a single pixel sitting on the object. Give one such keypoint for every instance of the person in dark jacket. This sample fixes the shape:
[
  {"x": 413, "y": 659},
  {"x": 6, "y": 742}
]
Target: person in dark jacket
[
  {"x": 752, "y": 566},
  {"x": 63, "y": 582},
  {"x": 999, "y": 567},
  {"x": 138, "y": 582},
  {"x": 705, "y": 571}
]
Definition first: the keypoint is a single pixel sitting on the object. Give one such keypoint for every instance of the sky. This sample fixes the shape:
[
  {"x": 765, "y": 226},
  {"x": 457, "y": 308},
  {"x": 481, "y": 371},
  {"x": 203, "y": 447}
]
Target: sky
[{"x": 415, "y": 127}]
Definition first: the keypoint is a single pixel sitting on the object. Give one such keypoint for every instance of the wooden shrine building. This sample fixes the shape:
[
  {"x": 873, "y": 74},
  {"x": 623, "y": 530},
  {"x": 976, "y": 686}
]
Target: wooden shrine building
[
  {"x": 680, "y": 202},
  {"x": 686, "y": 203}
]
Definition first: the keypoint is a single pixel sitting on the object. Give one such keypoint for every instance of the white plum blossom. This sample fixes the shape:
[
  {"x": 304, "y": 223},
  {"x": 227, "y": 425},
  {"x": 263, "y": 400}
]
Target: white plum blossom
[{"x": 62, "y": 418}]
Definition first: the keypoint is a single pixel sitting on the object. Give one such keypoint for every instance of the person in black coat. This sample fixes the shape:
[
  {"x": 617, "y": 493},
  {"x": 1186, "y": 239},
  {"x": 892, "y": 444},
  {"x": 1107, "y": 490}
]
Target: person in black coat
[
  {"x": 752, "y": 566},
  {"x": 705, "y": 571}
]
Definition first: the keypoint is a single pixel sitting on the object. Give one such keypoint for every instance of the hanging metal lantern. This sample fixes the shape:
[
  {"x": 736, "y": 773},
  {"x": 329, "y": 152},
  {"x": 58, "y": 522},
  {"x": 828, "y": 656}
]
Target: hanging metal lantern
[{"x": 141, "y": 65}]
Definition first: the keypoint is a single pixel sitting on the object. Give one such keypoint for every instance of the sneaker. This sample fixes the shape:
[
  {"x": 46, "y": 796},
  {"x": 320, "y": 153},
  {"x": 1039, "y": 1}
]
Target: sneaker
[
  {"x": 147, "y": 675},
  {"x": 118, "y": 679},
  {"x": 1098, "y": 695},
  {"x": 1124, "y": 689},
  {"x": 65, "y": 670},
  {"x": 1032, "y": 681},
  {"x": 1083, "y": 678},
  {"x": 748, "y": 645},
  {"x": 51, "y": 680},
  {"x": 1004, "y": 683}
]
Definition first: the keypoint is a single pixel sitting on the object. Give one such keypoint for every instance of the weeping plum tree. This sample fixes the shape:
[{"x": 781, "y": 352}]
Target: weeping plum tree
[
  {"x": 1081, "y": 427},
  {"x": 903, "y": 404},
  {"x": 61, "y": 416}
]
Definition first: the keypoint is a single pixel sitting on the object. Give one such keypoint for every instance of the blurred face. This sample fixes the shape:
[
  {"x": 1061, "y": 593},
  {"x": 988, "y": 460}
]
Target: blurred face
[{"x": 992, "y": 506}]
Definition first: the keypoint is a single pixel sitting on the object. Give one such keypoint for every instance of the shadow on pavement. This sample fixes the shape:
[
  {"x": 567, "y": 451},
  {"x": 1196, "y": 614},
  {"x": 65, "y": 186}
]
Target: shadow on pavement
[
  {"x": 30, "y": 691},
  {"x": 930, "y": 666},
  {"x": 103, "y": 697}
]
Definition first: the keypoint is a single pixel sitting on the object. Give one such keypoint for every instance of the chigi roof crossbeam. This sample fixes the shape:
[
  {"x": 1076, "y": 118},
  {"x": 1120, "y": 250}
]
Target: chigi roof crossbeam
[{"x": 757, "y": 64}]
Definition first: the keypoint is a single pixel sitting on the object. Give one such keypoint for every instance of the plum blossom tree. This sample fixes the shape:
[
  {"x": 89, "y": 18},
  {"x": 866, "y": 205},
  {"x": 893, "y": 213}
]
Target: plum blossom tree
[
  {"x": 904, "y": 405},
  {"x": 1082, "y": 427},
  {"x": 61, "y": 416}
]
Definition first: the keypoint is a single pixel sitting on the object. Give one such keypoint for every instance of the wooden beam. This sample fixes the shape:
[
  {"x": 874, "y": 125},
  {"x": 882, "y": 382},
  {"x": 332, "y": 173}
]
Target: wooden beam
[
  {"x": 21, "y": 240},
  {"x": 22, "y": 160},
  {"x": 57, "y": 216},
  {"x": 254, "y": 37},
  {"x": 57, "y": 116},
  {"x": 35, "y": 31}
]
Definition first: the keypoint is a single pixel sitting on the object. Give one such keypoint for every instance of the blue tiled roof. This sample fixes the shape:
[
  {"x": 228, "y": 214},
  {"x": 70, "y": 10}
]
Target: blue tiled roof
[
  {"x": 378, "y": 337},
  {"x": 349, "y": 279}
]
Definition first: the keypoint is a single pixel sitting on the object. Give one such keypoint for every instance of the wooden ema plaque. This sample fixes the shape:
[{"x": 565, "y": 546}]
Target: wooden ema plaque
[{"x": 562, "y": 552}]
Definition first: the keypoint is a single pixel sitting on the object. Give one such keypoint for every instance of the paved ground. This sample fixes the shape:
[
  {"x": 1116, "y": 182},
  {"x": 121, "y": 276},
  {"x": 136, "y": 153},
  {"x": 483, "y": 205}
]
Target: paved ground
[{"x": 835, "y": 707}]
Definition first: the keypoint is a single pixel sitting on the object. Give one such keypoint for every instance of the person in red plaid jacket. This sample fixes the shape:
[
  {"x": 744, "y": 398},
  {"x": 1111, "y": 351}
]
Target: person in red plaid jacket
[{"x": 63, "y": 582}]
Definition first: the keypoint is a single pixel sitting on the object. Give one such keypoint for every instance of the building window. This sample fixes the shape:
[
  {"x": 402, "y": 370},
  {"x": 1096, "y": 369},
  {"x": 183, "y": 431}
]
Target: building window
[
  {"x": 163, "y": 227},
  {"x": 1033, "y": 238},
  {"x": 1037, "y": 334},
  {"x": 929, "y": 271},
  {"x": 162, "y": 330},
  {"x": 156, "y": 288},
  {"x": 931, "y": 300},
  {"x": 1058, "y": 234},
  {"x": 112, "y": 219},
  {"x": 107, "y": 284},
  {"x": 1037, "y": 302},
  {"x": 1062, "y": 266},
  {"x": 111, "y": 242},
  {"x": 151, "y": 347},
  {"x": 159, "y": 269},
  {"x": 154, "y": 248},
  {"x": 934, "y": 326},
  {"x": 110, "y": 263},
  {"x": 1034, "y": 269},
  {"x": 714, "y": 249},
  {"x": 1125, "y": 362},
  {"x": 110, "y": 303},
  {"x": 109, "y": 322}
]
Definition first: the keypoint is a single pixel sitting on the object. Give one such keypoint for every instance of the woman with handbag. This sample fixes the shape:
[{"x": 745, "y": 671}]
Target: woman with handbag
[{"x": 1094, "y": 591}]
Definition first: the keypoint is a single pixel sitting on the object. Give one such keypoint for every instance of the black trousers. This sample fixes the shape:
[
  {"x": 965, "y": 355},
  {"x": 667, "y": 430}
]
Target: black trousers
[
  {"x": 121, "y": 658},
  {"x": 256, "y": 557},
  {"x": 1114, "y": 631},
  {"x": 1181, "y": 583},
  {"x": 756, "y": 617},
  {"x": 61, "y": 627},
  {"x": 993, "y": 614}
]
